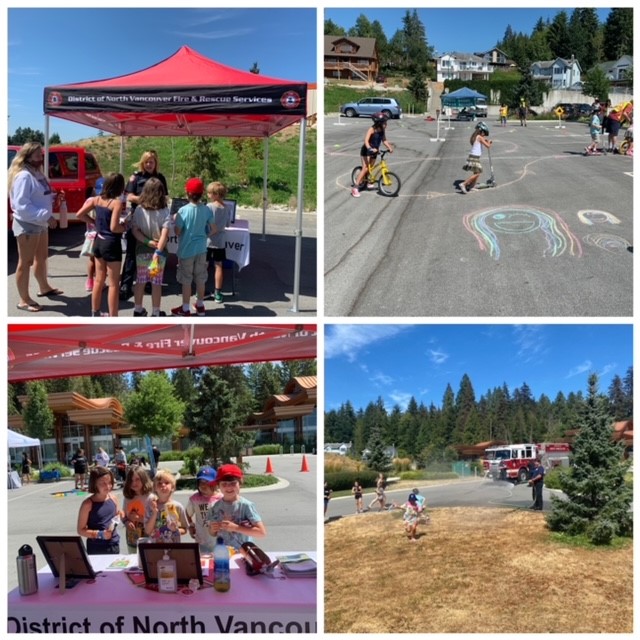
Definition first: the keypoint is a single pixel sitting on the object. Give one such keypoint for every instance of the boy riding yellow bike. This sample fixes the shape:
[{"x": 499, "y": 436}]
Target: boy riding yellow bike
[{"x": 373, "y": 139}]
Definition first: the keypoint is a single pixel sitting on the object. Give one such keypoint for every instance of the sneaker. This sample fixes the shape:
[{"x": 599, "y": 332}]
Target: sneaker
[
  {"x": 179, "y": 311},
  {"x": 463, "y": 188},
  {"x": 160, "y": 314},
  {"x": 99, "y": 314},
  {"x": 139, "y": 314},
  {"x": 218, "y": 296},
  {"x": 355, "y": 192},
  {"x": 200, "y": 310},
  {"x": 88, "y": 285}
]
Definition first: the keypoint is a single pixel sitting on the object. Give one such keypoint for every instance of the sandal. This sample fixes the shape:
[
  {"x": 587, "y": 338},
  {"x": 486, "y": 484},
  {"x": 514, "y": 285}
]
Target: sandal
[
  {"x": 50, "y": 294},
  {"x": 33, "y": 307}
]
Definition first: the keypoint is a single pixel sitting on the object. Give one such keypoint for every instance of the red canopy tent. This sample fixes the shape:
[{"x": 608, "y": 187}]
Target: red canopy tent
[
  {"x": 65, "y": 350},
  {"x": 188, "y": 94}
]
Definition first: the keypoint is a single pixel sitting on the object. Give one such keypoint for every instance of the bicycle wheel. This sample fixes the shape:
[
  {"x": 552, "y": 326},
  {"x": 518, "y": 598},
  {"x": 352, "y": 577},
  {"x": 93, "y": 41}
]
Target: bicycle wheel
[
  {"x": 624, "y": 147},
  {"x": 389, "y": 184},
  {"x": 354, "y": 175}
]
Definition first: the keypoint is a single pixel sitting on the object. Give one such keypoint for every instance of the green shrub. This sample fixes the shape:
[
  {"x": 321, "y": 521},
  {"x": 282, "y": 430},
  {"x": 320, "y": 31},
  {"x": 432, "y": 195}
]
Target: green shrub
[
  {"x": 192, "y": 458},
  {"x": 552, "y": 477},
  {"x": 343, "y": 480},
  {"x": 63, "y": 469},
  {"x": 428, "y": 475},
  {"x": 250, "y": 482},
  {"x": 266, "y": 450},
  {"x": 169, "y": 456}
]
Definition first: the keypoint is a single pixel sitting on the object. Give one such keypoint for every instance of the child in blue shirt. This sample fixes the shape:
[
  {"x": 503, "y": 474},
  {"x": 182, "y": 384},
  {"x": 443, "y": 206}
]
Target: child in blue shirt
[
  {"x": 595, "y": 127},
  {"x": 193, "y": 225}
]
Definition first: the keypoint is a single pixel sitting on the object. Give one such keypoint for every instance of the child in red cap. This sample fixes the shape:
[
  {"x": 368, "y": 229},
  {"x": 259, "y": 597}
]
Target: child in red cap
[
  {"x": 192, "y": 224},
  {"x": 234, "y": 518}
]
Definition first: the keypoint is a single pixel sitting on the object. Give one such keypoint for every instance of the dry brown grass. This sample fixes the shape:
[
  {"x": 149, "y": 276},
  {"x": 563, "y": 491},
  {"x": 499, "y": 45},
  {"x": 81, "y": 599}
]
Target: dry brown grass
[{"x": 472, "y": 570}]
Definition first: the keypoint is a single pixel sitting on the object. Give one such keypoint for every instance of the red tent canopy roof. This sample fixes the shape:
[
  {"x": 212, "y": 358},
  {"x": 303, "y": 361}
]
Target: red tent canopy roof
[
  {"x": 66, "y": 350},
  {"x": 186, "y": 94}
]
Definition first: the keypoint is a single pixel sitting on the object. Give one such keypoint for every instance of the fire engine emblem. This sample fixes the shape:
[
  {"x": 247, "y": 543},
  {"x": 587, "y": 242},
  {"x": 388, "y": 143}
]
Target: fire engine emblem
[{"x": 54, "y": 99}]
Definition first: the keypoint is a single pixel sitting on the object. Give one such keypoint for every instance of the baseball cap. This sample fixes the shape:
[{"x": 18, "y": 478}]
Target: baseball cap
[
  {"x": 194, "y": 186},
  {"x": 207, "y": 473},
  {"x": 229, "y": 471},
  {"x": 99, "y": 186}
]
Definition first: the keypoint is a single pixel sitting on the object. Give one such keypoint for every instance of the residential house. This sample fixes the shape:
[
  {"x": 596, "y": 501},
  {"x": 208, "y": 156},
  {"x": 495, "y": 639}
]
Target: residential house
[
  {"x": 347, "y": 58},
  {"x": 559, "y": 73},
  {"x": 497, "y": 59},
  {"x": 617, "y": 70},
  {"x": 462, "y": 66}
]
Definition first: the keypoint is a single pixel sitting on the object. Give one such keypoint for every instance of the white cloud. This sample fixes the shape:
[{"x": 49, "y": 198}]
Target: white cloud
[
  {"x": 401, "y": 399},
  {"x": 580, "y": 369},
  {"x": 438, "y": 356},
  {"x": 381, "y": 379},
  {"x": 531, "y": 342},
  {"x": 349, "y": 340},
  {"x": 215, "y": 35},
  {"x": 607, "y": 369}
]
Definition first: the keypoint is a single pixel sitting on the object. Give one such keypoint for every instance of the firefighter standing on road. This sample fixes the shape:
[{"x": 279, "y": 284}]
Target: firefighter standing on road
[{"x": 537, "y": 482}]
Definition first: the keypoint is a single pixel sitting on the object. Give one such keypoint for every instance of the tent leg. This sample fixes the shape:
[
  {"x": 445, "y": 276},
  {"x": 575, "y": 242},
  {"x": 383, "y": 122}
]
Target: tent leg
[
  {"x": 122, "y": 157},
  {"x": 46, "y": 146},
  {"x": 298, "y": 231},
  {"x": 265, "y": 180}
]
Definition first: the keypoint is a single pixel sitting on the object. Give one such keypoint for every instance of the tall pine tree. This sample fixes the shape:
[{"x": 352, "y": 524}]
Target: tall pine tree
[{"x": 598, "y": 500}]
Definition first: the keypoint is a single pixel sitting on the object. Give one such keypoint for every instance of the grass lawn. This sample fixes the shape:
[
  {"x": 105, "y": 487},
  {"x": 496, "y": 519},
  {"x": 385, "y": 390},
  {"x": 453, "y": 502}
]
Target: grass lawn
[{"x": 472, "y": 570}]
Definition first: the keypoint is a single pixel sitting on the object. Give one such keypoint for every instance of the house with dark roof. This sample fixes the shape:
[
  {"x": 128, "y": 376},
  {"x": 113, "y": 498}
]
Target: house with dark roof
[
  {"x": 497, "y": 59},
  {"x": 347, "y": 58},
  {"x": 559, "y": 73},
  {"x": 617, "y": 70}
]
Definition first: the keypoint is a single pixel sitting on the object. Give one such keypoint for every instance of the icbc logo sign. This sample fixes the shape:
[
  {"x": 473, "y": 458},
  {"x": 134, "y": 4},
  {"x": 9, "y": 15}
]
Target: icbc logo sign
[
  {"x": 54, "y": 99},
  {"x": 290, "y": 100}
]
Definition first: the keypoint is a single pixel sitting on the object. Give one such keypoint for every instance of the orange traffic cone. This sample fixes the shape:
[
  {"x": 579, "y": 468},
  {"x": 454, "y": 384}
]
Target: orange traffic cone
[
  {"x": 305, "y": 464},
  {"x": 269, "y": 468}
]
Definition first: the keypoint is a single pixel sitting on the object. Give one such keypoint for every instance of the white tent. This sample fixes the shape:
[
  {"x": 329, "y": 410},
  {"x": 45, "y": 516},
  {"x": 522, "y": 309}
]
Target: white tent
[{"x": 17, "y": 440}]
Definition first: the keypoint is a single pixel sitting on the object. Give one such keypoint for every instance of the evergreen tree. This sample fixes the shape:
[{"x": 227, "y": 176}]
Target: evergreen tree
[
  {"x": 332, "y": 29},
  {"x": 618, "y": 34},
  {"x": 585, "y": 37},
  {"x": 362, "y": 28},
  {"x": 627, "y": 385},
  {"x": 418, "y": 88},
  {"x": 596, "y": 83},
  {"x": 264, "y": 381},
  {"x": 37, "y": 417},
  {"x": 558, "y": 36},
  {"x": 377, "y": 459},
  {"x": 617, "y": 400},
  {"x": 418, "y": 53},
  {"x": 598, "y": 501}
]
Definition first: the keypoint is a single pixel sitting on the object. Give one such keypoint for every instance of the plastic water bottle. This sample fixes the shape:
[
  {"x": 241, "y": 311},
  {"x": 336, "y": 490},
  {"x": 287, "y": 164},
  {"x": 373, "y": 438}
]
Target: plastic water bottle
[
  {"x": 221, "y": 569},
  {"x": 27, "y": 573}
]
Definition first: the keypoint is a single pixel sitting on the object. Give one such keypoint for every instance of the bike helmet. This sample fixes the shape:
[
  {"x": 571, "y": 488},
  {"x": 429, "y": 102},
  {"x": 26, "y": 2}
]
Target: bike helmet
[
  {"x": 482, "y": 128},
  {"x": 379, "y": 118}
]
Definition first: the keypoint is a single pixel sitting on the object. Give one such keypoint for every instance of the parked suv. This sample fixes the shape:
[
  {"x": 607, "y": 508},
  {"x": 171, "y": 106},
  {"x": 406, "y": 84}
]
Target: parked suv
[
  {"x": 369, "y": 106},
  {"x": 73, "y": 170}
]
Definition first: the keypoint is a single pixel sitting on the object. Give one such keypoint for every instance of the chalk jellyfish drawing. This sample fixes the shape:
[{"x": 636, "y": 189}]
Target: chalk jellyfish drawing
[
  {"x": 607, "y": 242},
  {"x": 594, "y": 216},
  {"x": 487, "y": 225}
]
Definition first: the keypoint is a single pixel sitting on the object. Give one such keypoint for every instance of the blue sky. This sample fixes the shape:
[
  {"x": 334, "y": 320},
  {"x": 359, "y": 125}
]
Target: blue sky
[
  {"x": 464, "y": 30},
  {"x": 396, "y": 362},
  {"x": 60, "y": 46}
]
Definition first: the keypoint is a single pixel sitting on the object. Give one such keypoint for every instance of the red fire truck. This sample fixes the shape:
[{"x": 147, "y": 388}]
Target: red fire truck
[{"x": 511, "y": 461}]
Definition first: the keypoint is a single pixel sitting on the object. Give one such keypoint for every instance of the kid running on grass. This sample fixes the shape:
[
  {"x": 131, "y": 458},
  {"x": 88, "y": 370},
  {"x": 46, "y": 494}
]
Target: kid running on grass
[{"x": 479, "y": 139}]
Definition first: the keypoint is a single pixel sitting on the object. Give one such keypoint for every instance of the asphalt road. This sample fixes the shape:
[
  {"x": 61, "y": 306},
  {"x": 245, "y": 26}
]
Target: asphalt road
[
  {"x": 552, "y": 239},
  {"x": 289, "y": 510},
  {"x": 463, "y": 493},
  {"x": 263, "y": 288}
]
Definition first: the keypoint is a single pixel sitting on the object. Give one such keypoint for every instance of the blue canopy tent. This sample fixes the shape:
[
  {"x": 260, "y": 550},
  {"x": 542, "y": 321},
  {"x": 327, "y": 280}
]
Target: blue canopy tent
[{"x": 464, "y": 98}]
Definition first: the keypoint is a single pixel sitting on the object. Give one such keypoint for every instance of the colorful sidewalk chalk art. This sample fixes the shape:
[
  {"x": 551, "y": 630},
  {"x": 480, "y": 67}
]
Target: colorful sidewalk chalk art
[
  {"x": 72, "y": 492},
  {"x": 607, "y": 242},
  {"x": 595, "y": 216},
  {"x": 488, "y": 224}
]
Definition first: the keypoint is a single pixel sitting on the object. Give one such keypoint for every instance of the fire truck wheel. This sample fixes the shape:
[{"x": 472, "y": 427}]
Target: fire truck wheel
[{"x": 523, "y": 475}]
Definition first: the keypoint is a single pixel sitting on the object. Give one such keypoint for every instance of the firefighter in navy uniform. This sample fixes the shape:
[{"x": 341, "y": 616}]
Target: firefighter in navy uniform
[{"x": 537, "y": 482}]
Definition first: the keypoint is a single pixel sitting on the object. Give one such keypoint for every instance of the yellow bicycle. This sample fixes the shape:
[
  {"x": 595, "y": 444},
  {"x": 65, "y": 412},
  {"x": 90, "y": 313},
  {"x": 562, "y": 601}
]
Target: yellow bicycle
[{"x": 387, "y": 181}]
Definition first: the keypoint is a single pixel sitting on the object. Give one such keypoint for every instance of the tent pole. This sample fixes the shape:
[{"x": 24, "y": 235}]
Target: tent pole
[
  {"x": 298, "y": 231},
  {"x": 122, "y": 157},
  {"x": 46, "y": 146},
  {"x": 265, "y": 179}
]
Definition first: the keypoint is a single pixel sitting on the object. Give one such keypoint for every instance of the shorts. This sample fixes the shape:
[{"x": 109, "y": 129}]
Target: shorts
[
  {"x": 613, "y": 126},
  {"x": 216, "y": 255},
  {"x": 595, "y": 136},
  {"x": 192, "y": 269},
  {"x": 473, "y": 164},
  {"x": 365, "y": 152},
  {"x": 20, "y": 228},
  {"x": 108, "y": 249},
  {"x": 142, "y": 268}
]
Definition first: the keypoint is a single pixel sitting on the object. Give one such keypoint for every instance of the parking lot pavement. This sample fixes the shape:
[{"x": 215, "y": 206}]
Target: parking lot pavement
[
  {"x": 552, "y": 239},
  {"x": 263, "y": 288}
]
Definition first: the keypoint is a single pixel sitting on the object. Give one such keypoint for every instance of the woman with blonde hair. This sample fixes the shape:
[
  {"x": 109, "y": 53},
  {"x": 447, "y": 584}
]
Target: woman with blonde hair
[
  {"x": 148, "y": 167},
  {"x": 31, "y": 198}
]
